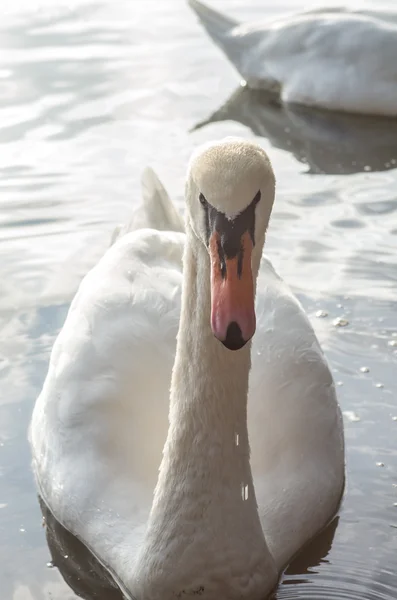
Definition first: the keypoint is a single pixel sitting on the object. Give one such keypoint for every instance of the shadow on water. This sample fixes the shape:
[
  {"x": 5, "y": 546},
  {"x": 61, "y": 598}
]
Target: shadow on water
[
  {"x": 331, "y": 143},
  {"x": 77, "y": 565},
  {"x": 90, "y": 580}
]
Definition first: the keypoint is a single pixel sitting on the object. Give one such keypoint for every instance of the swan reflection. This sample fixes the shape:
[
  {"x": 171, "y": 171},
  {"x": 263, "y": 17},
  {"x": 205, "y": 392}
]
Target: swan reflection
[{"x": 331, "y": 143}]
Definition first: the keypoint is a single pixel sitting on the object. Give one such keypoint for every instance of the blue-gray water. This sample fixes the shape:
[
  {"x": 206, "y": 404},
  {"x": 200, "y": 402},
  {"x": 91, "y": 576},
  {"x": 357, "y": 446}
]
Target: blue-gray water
[{"x": 90, "y": 93}]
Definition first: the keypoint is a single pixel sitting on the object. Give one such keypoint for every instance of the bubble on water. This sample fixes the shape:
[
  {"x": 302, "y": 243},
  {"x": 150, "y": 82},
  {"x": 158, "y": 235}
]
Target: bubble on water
[
  {"x": 380, "y": 464},
  {"x": 339, "y": 383},
  {"x": 66, "y": 556},
  {"x": 237, "y": 439},
  {"x": 392, "y": 343},
  {"x": 22, "y": 529},
  {"x": 374, "y": 346},
  {"x": 394, "y": 418},
  {"x": 340, "y": 322},
  {"x": 321, "y": 314},
  {"x": 50, "y": 565},
  {"x": 367, "y": 168},
  {"x": 339, "y": 305},
  {"x": 364, "y": 369},
  {"x": 4, "y": 505},
  {"x": 395, "y": 504},
  {"x": 379, "y": 385},
  {"x": 351, "y": 416}
]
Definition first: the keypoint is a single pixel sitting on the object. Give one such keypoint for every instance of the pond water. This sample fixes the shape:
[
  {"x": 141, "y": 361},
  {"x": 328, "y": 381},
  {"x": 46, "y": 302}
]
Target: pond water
[{"x": 90, "y": 93}]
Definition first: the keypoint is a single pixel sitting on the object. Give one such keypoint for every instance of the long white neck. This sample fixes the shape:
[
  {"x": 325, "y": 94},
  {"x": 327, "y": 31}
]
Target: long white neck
[{"x": 204, "y": 531}]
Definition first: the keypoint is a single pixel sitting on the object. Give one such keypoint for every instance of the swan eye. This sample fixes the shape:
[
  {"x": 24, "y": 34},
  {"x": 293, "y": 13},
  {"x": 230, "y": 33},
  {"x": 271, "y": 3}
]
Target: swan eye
[{"x": 202, "y": 200}]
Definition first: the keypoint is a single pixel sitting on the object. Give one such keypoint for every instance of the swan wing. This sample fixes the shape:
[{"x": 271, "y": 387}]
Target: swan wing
[
  {"x": 157, "y": 211},
  {"x": 100, "y": 422},
  {"x": 295, "y": 424}
]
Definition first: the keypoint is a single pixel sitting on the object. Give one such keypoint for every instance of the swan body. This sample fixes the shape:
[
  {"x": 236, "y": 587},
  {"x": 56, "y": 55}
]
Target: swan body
[
  {"x": 242, "y": 485},
  {"x": 331, "y": 58}
]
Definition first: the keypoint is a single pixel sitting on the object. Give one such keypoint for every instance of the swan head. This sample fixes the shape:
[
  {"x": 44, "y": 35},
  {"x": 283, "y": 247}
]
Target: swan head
[{"x": 229, "y": 194}]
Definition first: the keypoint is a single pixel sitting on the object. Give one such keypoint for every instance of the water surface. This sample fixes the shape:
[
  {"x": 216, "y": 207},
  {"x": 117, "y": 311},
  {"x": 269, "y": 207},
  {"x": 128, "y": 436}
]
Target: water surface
[{"x": 90, "y": 93}]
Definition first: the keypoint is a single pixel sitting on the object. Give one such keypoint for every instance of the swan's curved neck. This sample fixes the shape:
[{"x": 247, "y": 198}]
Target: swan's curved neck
[
  {"x": 208, "y": 400},
  {"x": 204, "y": 517}
]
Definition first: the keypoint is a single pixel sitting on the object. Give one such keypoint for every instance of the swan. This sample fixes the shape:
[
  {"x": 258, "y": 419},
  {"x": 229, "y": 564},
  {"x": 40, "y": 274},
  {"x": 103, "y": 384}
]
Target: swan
[
  {"x": 242, "y": 484},
  {"x": 331, "y": 58}
]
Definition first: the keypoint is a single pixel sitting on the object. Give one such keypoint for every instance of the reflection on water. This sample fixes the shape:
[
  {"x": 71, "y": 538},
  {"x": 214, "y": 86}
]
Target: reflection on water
[
  {"x": 333, "y": 143},
  {"x": 79, "y": 568},
  {"x": 89, "y": 96}
]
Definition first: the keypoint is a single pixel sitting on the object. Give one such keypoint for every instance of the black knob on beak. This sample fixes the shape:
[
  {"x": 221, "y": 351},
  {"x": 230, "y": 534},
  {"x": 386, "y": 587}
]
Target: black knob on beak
[{"x": 234, "y": 338}]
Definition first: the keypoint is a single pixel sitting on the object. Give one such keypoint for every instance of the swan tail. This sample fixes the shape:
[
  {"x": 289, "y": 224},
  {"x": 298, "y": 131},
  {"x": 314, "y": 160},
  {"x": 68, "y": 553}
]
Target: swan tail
[
  {"x": 221, "y": 29},
  {"x": 216, "y": 24},
  {"x": 157, "y": 210}
]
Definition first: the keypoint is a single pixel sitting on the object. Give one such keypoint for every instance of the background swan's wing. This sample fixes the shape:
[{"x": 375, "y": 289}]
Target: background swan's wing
[{"x": 316, "y": 58}]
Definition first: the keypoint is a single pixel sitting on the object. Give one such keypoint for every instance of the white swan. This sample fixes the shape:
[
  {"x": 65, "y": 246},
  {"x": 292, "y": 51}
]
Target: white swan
[
  {"x": 221, "y": 523},
  {"x": 332, "y": 58}
]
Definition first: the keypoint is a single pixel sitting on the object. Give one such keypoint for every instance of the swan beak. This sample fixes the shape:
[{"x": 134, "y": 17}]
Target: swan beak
[{"x": 232, "y": 293}]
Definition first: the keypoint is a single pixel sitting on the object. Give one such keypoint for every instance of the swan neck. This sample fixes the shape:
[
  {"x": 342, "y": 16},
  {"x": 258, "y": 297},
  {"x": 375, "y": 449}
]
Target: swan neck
[
  {"x": 208, "y": 379},
  {"x": 204, "y": 519}
]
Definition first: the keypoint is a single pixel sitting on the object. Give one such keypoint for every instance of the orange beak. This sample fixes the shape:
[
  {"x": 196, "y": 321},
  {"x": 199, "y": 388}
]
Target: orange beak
[{"x": 232, "y": 293}]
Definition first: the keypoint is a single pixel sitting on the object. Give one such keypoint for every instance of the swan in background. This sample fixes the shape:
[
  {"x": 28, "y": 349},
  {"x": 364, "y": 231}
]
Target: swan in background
[
  {"x": 251, "y": 459},
  {"x": 332, "y": 58},
  {"x": 328, "y": 142}
]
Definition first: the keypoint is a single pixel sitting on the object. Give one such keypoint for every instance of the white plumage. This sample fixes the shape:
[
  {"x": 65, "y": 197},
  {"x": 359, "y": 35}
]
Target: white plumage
[{"x": 220, "y": 524}]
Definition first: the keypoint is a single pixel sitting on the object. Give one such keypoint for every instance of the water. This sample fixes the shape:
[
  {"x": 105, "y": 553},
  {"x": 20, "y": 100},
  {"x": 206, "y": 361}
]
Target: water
[{"x": 90, "y": 93}]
